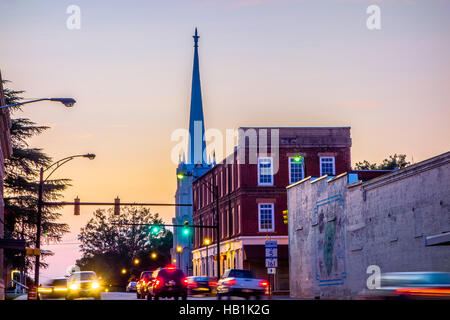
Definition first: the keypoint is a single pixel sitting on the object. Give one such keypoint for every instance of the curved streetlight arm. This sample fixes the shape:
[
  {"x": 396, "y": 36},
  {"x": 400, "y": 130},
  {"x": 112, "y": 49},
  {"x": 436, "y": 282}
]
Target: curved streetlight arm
[
  {"x": 61, "y": 162},
  {"x": 209, "y": 185},
  {"x": 25, "y": 102},
  {"x": 68, "y": 102}
]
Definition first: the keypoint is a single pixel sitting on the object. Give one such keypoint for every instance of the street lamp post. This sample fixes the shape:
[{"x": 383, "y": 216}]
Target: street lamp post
[
  {"x": 179, "y": 250},
  {"x": 58, "y": 164},
  {"x": 207, "y": 242}
]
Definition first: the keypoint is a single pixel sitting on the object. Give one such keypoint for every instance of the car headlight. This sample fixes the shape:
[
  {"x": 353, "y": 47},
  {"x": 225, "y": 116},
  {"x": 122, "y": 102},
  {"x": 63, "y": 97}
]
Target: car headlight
[
  {"x": 95, "y": 285},
  {"x": 74, "y": 286}
]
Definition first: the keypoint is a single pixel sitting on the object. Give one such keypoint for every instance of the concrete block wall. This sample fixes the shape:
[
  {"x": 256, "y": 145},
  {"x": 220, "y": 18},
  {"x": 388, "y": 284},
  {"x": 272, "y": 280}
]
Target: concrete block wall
[{"x": 384, "y": 222}]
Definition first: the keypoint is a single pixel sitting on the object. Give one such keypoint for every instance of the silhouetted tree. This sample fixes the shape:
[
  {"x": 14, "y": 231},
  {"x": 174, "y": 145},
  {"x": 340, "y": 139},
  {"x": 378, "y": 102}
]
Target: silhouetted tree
[
  {"x": 109, "y": 244},
  {"x": 21, "y": 185},
  {"x": 395, "y": 161}
]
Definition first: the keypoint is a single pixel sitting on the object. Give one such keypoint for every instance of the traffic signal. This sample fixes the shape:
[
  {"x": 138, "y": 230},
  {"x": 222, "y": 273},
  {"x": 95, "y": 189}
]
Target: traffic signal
[
  {"x": 76, "y": 208},
  {"x": 285, "y": 216},
  {"x": 186, "y": 228},
  {"x": 298, "y": 158},
  {"x": 116, "y": 206},
  {"x": 32, "y": 252},
  {"x": 155, "y": 229}
]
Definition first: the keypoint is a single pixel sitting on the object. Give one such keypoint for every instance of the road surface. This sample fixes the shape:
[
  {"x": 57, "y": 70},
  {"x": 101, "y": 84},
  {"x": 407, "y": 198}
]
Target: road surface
[{"x": 132, "y": 296}]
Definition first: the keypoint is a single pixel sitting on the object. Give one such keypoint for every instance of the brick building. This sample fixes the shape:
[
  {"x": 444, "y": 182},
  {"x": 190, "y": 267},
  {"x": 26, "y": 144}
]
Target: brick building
[{"x": 252, "y": 194}]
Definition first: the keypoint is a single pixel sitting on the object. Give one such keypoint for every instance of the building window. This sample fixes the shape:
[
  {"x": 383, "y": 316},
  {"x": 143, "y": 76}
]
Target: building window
[
  {"x": 296, "y": 172},
  {"x": 327, "y": 166},
  {"x": 239, "y": 218},
  {"x": 265, "y": 215},
  {"x": 265, "y": 171}
]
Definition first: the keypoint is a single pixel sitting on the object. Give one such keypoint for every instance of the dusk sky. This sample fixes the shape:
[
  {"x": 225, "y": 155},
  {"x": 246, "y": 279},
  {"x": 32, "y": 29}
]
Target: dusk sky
[{"x": 262, "y": 63}]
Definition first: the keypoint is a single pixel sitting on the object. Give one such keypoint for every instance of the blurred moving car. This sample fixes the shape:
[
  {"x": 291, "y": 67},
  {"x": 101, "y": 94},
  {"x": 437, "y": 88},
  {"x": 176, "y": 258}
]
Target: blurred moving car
[
  {"x": 57, "y": 288},
  {"x": 131, "y": 287},
  {"x": 83, "y": 284},
  {"x": 168, "y": 282},
  {"x": 240, "y": 283},
  {"x": 410, "y": 285},
  {"x": 141, "y": 285},
  {"x": 201, "y": 285}
]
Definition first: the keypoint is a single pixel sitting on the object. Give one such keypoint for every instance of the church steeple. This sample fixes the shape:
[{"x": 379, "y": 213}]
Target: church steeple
[{"x": 197, "y": 144}]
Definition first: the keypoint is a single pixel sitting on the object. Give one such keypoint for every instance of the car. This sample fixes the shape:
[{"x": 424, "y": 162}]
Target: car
[
  {"x": 240, "y": 283},
  {"x": 410, "y": 285},
  {"x": 201, "y": 285},
  {"x": 141, "y": 285},
  {"x": 57, "y": 288},
  {"x": 131, "y": 287},
  {"x": 83, "y": 284},
  {"x": 168, "y": 282}
]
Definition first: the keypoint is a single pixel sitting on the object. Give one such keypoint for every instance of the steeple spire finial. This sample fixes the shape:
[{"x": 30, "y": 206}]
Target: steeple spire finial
[
  {"x": 197, "y": 145},
  {"x": 196, "y": 36}
]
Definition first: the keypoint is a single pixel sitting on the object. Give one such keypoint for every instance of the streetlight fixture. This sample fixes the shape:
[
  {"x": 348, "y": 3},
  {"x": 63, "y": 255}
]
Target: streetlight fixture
[
  {"x": 154, "y": 255},
  {"x": 56, "y": 165},
  {"x": 68, "y": 102},
  {"x": 179, "y": 250},
  {"x": 123, "y": 271},
  {"x": 136, "y": 261},
  {"x": 207, "y": 242}
]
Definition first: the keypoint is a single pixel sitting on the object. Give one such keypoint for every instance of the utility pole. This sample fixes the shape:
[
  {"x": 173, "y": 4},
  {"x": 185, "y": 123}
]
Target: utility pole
[
  {"x": 38, "y": 226},
  {"x": 216, "y": 192}
]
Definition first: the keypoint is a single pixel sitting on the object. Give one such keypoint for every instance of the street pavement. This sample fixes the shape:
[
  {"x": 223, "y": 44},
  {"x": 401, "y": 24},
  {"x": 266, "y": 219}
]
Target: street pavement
[{"x": 132, "y": 296}]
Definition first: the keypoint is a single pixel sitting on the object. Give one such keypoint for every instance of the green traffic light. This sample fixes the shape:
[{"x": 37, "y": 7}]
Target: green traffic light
[
  {"x": 298, "y": 158},
  {"x": 186, "y": 231},
  {"x": 155, "y": 229}
]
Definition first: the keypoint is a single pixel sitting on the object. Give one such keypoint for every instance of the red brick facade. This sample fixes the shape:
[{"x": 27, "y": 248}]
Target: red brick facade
[{"x": 240, "y": 192}]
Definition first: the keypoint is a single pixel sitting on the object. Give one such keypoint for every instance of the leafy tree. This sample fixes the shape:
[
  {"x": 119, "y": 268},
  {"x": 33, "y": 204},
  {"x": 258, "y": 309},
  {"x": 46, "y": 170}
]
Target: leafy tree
[
  {"x": 393, "y": 162},
  {"x": 21, "y": 185},
  {"x": 109, "y": 244}
]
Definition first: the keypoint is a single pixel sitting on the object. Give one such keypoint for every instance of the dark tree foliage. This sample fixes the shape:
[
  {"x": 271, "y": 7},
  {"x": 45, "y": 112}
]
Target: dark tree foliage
[
  {"x": 393, "y": 162},
  {"x": 20, "y": 189},
  {"x": 109, "y": 245}
]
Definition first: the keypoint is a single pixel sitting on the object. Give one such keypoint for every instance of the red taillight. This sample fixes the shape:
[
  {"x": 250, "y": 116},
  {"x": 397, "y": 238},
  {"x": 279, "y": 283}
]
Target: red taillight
[
  {"x": 185, "y": 282},
  {"x": 212, "y": 283},
  {"x": 158, "y": 283},
  {"x": 230, "y": 282},
  {"x": 423, "y": 291},
  {"x": 192, "y": 284},
  {"x": 263, "y": 283},
  {"x": 170, "y": 268}
]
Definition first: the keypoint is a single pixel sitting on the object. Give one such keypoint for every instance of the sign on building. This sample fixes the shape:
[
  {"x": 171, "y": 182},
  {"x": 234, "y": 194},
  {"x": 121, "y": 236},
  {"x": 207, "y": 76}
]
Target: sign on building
[{"x": 271, "y": 254}]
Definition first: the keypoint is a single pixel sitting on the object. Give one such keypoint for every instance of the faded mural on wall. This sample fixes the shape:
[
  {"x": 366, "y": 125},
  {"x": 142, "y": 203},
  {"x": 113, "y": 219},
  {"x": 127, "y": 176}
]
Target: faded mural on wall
[{"x": 329, "y": 241}]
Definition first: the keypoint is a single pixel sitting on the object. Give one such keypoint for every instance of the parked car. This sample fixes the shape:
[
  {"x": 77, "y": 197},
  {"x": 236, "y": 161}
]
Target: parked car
[
  {"x": 168, "y": 282},
  {"x": 131, "y": 287},
  {"x": 141, "y": 285},
  {"x": 201, "y": 285},
  {"x": 83, "y": 284},
  {"x": 240, "y": 283},
  {"x": 57, "y": 288},
  {"x": 410, "y": 285}
]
